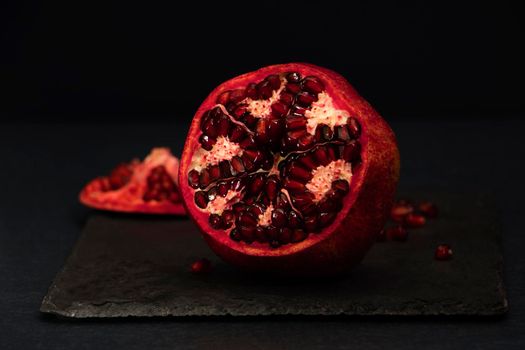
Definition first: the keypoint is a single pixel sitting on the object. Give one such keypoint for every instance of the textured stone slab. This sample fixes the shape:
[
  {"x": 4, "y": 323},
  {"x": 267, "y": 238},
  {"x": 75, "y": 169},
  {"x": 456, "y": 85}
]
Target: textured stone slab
[{"x": 138, "y": 266}]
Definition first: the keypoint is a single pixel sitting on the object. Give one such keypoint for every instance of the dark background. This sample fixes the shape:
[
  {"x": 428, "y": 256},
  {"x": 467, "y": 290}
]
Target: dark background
[
  {"x": 88, "y": 85},
  {"x": 121, "y": 60}
]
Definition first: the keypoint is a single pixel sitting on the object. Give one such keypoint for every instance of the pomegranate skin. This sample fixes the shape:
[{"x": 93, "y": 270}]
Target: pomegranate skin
[{"x": 345, "y": 242}]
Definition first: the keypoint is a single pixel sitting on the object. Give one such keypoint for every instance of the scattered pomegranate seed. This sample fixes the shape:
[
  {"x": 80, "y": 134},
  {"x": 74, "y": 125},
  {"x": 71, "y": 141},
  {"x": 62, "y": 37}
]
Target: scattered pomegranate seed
[
  {"x": 397, "y": 233},
  {"x": 428, "y": 209},
  {"x": 400, "y": 210},
  {"x": 414, "y": 220},
  {"x": 201, "y": 266},
  {"x": 443, "y": 252}
]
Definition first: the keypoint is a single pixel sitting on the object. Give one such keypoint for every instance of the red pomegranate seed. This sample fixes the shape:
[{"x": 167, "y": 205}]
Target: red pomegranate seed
[
  {"x": 285, "y": 235},
  {"x": 293, "y": 77},
  {"x": 428, "y": 209},
  {"x": 279, "y": 109},
  {"x": 351, "y": 151},
  {"x": 414, "y": 220},
  {"x": 228, "y": 217},
  {"x": 206, "y": 142},
  {"x": 293, "y": 88},
  {"x": 313, "y": 85},
  {"x": 443, "y": 252},
  {"x": 293, "y": 186},
  {"x": 342, "y": 133},
  {"x": 215, "y": 221},
  {"x": 326, "y": 219},
  {"x": 310, "y": 223},
  {"x": 223, "y": 188},
  {"x": 201, "y": 199},
  {"x": 295, "y": 171},
  {"x": 286, "y": 98},
  {"x": 260, "y": 234},
  {"x": 201, "y": 266},
  {"x": 237, "y": 165},
  {"x": 224, "y": 98},
  {"x": 274, "y": 81},
  {"x": 341, "y": 185},
  {"x": 265, "y": 90},
  {"x": 305, "y": 99},
  {"x": 204, "y": 178},
  {"x": 397, "y": 233},
  {"x": 272, "y": 187},
  {"x": 193, "y": 179},
  {"x": 321, "y": 156},
  {"x": 251, "y": 91},
  {"x": 353, "y": 127},
  {"x": 279, "y": 218},
  {"x": 298, "y": 235},
  {"x": 237, "y": 95},
  {"x": 399, "y": 211},
  {"x": 247, "y": 219}
]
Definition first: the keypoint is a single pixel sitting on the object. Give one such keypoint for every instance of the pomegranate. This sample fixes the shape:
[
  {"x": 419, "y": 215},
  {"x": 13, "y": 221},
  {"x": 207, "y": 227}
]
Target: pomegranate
[
  {"x": 287, "y": 169},
  {"x": 148, "y": 187}
]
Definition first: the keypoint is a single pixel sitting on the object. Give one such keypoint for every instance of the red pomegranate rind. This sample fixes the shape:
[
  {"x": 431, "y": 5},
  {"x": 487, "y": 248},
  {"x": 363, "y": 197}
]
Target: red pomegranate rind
[
  {"x": 343, "y": 242},
  {"x": 148, "y": 187}
]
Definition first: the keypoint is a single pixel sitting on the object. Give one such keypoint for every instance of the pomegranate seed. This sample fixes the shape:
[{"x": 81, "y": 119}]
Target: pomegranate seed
[
  {"x": 223, "y": 188},
  {"x": 275, "y": 130},
  {"x": 193, "y": 179},
  {"x": 212, "y": 194},
  {"x": 308, "y": 162},
  {"x": 201, "y": 266},
  {"x": 326, "y": 219},
  {"x": 353, "y": 127},
  {"x": 342, "y": 133},
  {"x": 397, "y": 233},
  {"x": 295, "y": 171},
  {"x": 272, "y": 232},
  {"x": 228, "y": 217},
  {"x": 293, "y": 88},
  {"x": 274, "y": 81},
  {"x": 237, "y": 95},
  {"x": 428, "y": 209},
  {"x": 260, "y": 234},
  {"x": 272, "y": 187},
  {"x": 247, "y": 219},
  {"x": 298, "y": 235},
  {"x": 257, "y": 184},
  {"x": 201, "y": 199},
  {"x": 206, "y": 142},
  {"x": 223, "y": 126},
  {"x": 265, "y": 90},
  {"x": 310, "y": 223},
  {"x": 224, "y": 98},
  {"x": 293, "y": 77},
  {"x": 400, "y": 211},
  {"x": 251, "y": 91},
  {"x": 239, "y": 207},
  {"x": 247, "y": 233},
  {"x": 305, "y": 99},
  {"x": 313, "y": 85},
  {"x": 204, "y": 178},
  {"x": 286, "y": 98},
  {"x": 351, "y": 151},
  {"x": 285, "y": 236},
  {"x": 293, "y": 186},
  {"x": 414, "y": 220},
  {"x": 341, "y": 185},
  {"x": 215, "y": 221},
  {"x": 215, "y": 172},
  {"x": 294, "y": 220},
  {"x": 321, "y": 156},
  {"x": 443, "y": 252},
  {"x": 279, "y": 218},
  {"x": 225, "y": 167},
  {"x": 279, "y": 109},
  {"x": 237, "y": 165},
  {"x": 234, "y": 235}
]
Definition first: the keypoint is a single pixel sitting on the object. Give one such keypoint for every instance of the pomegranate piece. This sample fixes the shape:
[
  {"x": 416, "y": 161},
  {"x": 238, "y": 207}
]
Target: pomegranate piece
[
  {"x": 149, "y": 187},
  {"x": 443, "y": 252},
  {"x": 201, "y": 266},
  {"x": 304, "y": 168},
  {"x": 400, "y": 210}
]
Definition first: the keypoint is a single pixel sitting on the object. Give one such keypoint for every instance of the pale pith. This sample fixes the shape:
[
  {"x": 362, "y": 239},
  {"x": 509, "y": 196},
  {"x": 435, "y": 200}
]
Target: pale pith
[
  {"x": 323, "y": 111},
  {"x": 323, "y": 176}
]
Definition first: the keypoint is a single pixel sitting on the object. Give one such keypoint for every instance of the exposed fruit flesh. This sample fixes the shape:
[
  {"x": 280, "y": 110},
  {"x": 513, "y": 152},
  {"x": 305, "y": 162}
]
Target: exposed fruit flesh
[
  {"x": 312, "y": 166},
  {"x": 149, "y": 187},
  {"x": 313, "y": 173}
]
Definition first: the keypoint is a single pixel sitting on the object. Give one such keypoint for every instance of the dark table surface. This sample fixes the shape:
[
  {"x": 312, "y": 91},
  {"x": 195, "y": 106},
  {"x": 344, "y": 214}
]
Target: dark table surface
[{"x": 43, "y": 166}]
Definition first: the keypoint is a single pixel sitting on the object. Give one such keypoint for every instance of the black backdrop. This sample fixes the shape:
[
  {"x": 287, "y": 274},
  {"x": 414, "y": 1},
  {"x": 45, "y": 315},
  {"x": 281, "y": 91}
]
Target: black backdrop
[{"x": 119, "y": 61}]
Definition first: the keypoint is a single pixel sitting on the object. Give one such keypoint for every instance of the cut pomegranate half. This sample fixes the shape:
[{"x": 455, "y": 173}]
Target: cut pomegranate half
[
  {"x": 149, "y": 187},
  {"x": 288, "y": 169}
]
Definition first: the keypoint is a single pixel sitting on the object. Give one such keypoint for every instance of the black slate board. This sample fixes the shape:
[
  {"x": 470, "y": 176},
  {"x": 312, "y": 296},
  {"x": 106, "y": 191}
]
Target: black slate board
[{"x": 138, "y": 266}]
